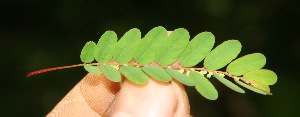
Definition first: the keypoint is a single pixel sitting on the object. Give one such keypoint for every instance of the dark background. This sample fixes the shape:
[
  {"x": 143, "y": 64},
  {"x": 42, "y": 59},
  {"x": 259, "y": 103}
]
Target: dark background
[{"x": 36, "y": 35}]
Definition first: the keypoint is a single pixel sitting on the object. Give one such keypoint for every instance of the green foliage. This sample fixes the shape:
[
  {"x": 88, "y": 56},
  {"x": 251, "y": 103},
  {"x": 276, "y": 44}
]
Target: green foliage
[
  {"x": 203, "y": 86},
  {"x": 163, "y": 58},
  {"x": 134, "y": 74},
  {"x": 228, "y": 83},
  {"x": 250, "y": 87},
  {"x": 172, "y": 47},
  {"x": 148, "y": 46},
  {"x": 125, "y": 48},
  {"x": 222, "y": 54},
  {"x": 157, "y": 73},
  {"x": 92, "y": 69},
  {"x": 180, "y": 77},
  {"x": 197, "y": 49},
  {"x": 87, "y": 53},
  {"x": 111, "y": 73},
  {"x": 246, "y": 63},
  {"x": 103, "y": 51}
]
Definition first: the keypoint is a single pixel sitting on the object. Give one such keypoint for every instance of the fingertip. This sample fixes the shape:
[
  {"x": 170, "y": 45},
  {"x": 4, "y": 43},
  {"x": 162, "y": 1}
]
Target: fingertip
[{"x": 121, "y": 114}]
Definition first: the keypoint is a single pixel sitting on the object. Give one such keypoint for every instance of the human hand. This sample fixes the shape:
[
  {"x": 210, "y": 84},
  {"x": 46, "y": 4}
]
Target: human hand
[{"x": 97, "y": 96}]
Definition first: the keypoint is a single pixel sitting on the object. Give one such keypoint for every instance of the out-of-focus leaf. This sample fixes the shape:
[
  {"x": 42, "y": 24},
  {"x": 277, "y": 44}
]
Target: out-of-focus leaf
[
  {"x": 125, "y": 47},
  {"x": 147, "y": 47},
  {"x": 264, "y": 76},
  {"x": 92, "y": 69},
  {"x": 157, "y": 73},
  {"x": 180, "y": 77},
  {"x": 246, "y": 63},
  {"x": 228, "y": 83},
  {"x": 111, "y": 73},
  {"x": 222, "y": 54},
  {"x": 104, "y": 49},
  {"x": 197, "y": 49},
  {"x": 134, "y": 74},
  {"x": 87, "y": 53},
  {"x": 203, "y": 86},
  {"x": 169, "y": 51}
]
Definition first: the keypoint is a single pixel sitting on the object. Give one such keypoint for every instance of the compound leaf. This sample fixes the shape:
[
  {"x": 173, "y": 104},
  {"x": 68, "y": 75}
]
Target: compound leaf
[
  {"x": 92, "y": 69},
  {"x": 246, "y": 63},
  {"x": 264, "y": 76},
  {"x": 148, "y": 46},
  {"x": 197, "y": 49},
  {"x": 250, "y": 87},
  {"x": 180, "y": 77},
  {"x": 87, "y": 53},
  {"x": 104, "y": 49},
  {"x": 204, "y": 86},
  {"x": 134, "y": 74},
  {"x": 228, "y": 83},
  {"x": 157, "y": 73},
  {"x": 222, "y": 54},
  {"x": 172, "y": 47},
  {"x": 125, "y": 48},
  {"x": 111, "y": 73}
]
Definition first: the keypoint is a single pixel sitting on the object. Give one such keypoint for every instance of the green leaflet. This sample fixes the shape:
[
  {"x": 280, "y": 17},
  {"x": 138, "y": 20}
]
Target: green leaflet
[
  {"x": 134, "y": 74},
  {"x": 203, "y": 86},
  {"x": 246, "y": 63},
  {"x": 147, "y": 47},
  {"x": 197, "y": 49},
  {"x": 180, "y": 77},
  {"x": 250, "y": 87},
  {"x": 87, "y": 53},
  {"x": 92, "y": 69},
  {"x": 157, "y": 73},
  {"x": 111, "y": 73},
  {"x": 222, "y": 54},
  {"x": 262, "y": 86},
  {"x": 172, "y": 47},
  {"x": 104, "y": 49},
  {"x": 264, "y": 76},
  {"x": 228, "y": 83},
  {"x": 125, "y": 48}
]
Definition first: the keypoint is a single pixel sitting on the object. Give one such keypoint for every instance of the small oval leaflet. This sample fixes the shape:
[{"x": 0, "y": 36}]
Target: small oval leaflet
[
  {"x": 262, "y": 86},
  {"x": 103, "y": 51},
  {"x": 134, "y": 74},
  {"x": 180, "y": 77},
  {"x": 111, "y": 73},
  {"x": 203, "y": 86},
  {"x": 92, "y": 69},
  {"x": 246, "y": 63},
  {"x": 228, "y": 83},
  {"x": 125, "y": 47},
  {"x": 157, "y": 73},
  {"x": 222, "y": 54},
  {"x": 264, "y": 76},
  {"x": 197, "y": 49},
  {"x": 250, "y": 87},
  {"x": 172, "y": 47},
  {"x": 147, "y": 47},
  {"x": 87, "y": 53}
]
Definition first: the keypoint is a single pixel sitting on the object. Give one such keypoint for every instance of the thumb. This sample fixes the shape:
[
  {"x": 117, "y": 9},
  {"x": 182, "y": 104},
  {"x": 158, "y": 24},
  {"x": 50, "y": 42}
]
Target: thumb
[{"x": 154, "y": 99}]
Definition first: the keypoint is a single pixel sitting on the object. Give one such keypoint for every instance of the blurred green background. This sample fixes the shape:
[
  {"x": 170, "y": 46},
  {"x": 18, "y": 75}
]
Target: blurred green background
[{"x": 39, "y": 34}]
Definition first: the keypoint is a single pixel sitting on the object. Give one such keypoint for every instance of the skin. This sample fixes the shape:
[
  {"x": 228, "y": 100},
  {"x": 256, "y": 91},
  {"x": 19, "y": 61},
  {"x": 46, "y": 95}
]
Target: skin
[{"x": 97, "y": 96}]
